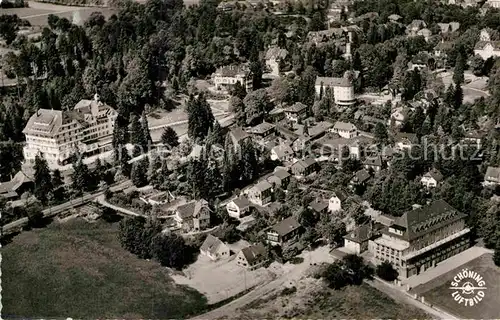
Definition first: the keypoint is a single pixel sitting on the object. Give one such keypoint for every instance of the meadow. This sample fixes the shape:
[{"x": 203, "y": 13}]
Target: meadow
[{"x": 78, "y": 269}]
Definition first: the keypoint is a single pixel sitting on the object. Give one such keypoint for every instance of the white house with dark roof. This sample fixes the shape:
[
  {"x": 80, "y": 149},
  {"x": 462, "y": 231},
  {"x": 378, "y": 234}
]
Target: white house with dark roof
[
  {"x": 356, "y": 241},
  {"x": 226, "y": 77},
  {"x": 193, "y": 216},
  {"x": 305, "y": 167},
  {"x": 214, "y": 248},
  {"x": 432, "y": 178},
  {"x": 238, "y": 207},
  {"x": 297, "y": 112},
  {"x": 492, "y": 176},
  {"x": 405, "y": 141},
  {"x": 346, "y": 130},
  {"x": 285, "y": 232},
  {"x": 336, "y": 200},
  {"x": 262, "y": 130},
  {"x": 252, "y": 257},
  {"x": 280, "y": 178},
  {"x": 261, "y": 193},
  {"x": 360, "y": 178},
  {"x": 282, "y": 152},
  {"x": 343, "y": 89},
  {"x": 374, "y": 163},
  {"x": 57, "y": 134},
  {"x": 274, "y": 57}
]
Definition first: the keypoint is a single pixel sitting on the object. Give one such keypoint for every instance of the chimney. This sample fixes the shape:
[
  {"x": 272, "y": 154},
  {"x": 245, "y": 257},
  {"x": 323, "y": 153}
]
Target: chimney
[{"x": 94, "y": 105}]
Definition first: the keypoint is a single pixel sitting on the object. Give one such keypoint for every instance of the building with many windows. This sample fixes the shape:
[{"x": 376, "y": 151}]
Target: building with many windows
[
  {"x": 343, "y": 89},
  {"x": 421, "y": 238},
  {"x": 58, "y": 134},
  {"x": 226, "y": 77}
]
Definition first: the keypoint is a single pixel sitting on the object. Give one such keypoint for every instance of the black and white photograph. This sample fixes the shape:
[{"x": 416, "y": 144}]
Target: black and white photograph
[{"x": 250, "y": 159}]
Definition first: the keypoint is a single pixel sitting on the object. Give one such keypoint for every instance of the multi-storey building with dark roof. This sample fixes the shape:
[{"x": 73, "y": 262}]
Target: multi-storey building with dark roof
[
  {"x": 421, "y": 238},
  {"x": 57, "y": 135}
]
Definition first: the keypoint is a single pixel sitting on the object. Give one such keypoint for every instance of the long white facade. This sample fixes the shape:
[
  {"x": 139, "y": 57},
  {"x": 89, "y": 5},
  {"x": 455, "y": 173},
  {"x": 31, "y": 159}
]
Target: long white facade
[{"x": 57, "y": 135}]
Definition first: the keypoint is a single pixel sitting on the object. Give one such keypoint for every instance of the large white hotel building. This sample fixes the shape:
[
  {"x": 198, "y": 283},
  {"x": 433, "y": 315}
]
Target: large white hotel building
[{"x": 57, "y": 135}]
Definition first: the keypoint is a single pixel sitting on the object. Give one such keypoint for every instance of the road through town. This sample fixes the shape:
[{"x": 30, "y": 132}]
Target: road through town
[{"x": 52, "y": 211}]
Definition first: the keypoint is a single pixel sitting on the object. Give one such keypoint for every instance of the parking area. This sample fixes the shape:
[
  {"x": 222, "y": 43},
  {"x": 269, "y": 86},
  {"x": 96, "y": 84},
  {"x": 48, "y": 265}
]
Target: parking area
[{"x": 219, "y": 280}]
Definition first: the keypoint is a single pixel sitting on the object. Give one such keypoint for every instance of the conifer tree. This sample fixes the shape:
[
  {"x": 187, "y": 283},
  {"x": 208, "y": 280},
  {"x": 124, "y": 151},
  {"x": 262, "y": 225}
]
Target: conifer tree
[
  {"x": 83, "y": 179},
  {"x": 124, "y": 158},
  {"x": 145, "y": 128},
  {"x": 43, "y": 181},
  {"x": 139, "y": 173},
  {"x": 169, "y": 137},
  {"x": 58, "y": 191},
  {"x": 137, "y": 137}
]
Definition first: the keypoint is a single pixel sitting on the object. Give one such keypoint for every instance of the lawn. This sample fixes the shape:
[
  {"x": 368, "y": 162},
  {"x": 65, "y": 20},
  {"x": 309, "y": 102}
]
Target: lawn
[
  {"x": 438, "y": 293},
  {"x": 313, "y": 300},
  {"x": 361, "y": 302},
  {"x": 77, "y": 269}
]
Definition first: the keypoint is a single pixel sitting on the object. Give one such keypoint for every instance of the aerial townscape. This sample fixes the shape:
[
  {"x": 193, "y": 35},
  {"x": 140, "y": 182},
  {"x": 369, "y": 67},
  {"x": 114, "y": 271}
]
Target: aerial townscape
[{"x": 254, "y": 159}]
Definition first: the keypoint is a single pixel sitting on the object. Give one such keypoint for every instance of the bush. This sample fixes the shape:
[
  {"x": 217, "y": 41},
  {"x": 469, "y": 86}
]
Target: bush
[
  {"x": 288, "y": 291},
  {"x": 351, "y": 270},
  {"x": 386, "y": 271}
]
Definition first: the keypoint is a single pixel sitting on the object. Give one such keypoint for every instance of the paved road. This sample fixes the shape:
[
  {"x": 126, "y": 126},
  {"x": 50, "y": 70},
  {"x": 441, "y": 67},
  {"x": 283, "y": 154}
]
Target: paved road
[
  {"x": 102, "y": 201},
  {"x": 52, "y": 211}
]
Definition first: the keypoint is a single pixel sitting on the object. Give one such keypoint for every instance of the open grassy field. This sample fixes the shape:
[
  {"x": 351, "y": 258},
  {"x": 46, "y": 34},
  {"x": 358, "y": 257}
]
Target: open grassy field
[
  {"x": 79, "y": 270},
  {"x": 37, "y": 13},
  {"x": 313, "y": 300},
  {"x": 438, "y": 293}
]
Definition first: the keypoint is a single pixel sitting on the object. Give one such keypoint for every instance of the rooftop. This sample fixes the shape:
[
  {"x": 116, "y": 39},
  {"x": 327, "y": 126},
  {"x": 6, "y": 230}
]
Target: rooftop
[
  {"x": 275, "y": 53},
  {"x": 492, "y": 173},
  {"x": 333, "y": 82},
  {"x": 211, "y": 244},
  {"x": 435, "y": 174},
  {"x": 242, "y": 202},
  {"x": 296, "y": 107},
  {"x": 262, "y": 128},
  {"x": 232, "y": 71},
  {"x": 344, "y": 126},
  {"x": 318, "y": 205},
  {"x": 238, "y": 134},
  {"x": 282, "y": 150},
  {"x": 427, "y": 218},
  {"x": 360, "y": 234},
  {"x": 286, "y": 226},
  {"x": 191, "y": 209},
  {"x": 262, "y": 186},
  {"x": 253, "y": 253}
]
